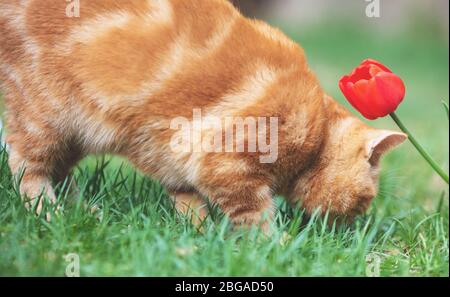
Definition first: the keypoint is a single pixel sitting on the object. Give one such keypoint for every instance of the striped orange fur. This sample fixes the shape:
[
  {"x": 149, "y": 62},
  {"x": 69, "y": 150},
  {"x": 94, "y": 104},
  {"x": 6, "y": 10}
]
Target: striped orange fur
[{"x": 112, "y": 80}]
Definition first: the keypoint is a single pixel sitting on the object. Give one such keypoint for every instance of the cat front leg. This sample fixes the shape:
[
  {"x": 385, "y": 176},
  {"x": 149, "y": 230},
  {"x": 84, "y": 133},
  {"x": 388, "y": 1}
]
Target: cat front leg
[
  {"x": 35, "y": 184},
  {"x": 38, "y": 159},
  {"x": 190, "y": 203},
  {"x": 247, "y": 203}
]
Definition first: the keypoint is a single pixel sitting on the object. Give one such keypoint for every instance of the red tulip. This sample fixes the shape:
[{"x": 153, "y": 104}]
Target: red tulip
[
  {"x": 376, "y": 92},
  {"x": 373, "y": 89}
]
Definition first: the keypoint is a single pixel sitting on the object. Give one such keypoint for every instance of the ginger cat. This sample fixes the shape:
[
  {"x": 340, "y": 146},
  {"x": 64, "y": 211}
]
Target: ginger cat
[{"x": 114, "y": 79}]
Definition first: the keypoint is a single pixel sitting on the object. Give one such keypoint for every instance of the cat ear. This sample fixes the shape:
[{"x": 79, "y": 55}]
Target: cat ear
[{"x": 381, "y": 142}]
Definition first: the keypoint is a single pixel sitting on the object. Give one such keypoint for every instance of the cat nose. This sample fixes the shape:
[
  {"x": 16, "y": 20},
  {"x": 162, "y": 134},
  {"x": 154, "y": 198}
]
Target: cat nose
[
  {"x": 367, "y": 197},
  {"x": 368, "y": 194},
  {"x": 361, "y": 205}
]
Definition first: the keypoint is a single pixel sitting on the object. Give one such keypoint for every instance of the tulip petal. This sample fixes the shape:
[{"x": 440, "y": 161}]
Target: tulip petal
[
  {"x": 366, "y": 94},
  {"x": 380, "y": 106},
  {"x": 346, "y": 87},
  {"x": 369, "y": 62},
  {"x": 353, "y": 98},
  {"x": 392, "y": 89},
  {"x": 374, "y": 70},
  {"x": 373, "y": 89},
  {"x": 357, "y": 99},
  {"x": 361, "y": 72}
]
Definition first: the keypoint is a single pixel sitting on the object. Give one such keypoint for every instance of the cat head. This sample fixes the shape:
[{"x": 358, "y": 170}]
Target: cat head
[{"x": 344, "y": 177}]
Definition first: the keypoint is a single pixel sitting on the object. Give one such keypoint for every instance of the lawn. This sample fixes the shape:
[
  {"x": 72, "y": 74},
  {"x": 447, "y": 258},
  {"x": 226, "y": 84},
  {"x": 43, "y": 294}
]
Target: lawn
[{"x": 138, "y": 233}]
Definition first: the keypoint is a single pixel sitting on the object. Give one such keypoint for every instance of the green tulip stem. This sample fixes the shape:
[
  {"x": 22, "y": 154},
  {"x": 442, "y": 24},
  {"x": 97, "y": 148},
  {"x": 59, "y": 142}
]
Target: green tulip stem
[{"x": 421, "y": 150}]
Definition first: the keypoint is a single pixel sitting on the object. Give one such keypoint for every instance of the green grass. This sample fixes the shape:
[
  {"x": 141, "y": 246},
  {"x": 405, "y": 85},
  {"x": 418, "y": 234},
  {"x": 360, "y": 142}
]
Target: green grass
[{"x": 138, "y": 232}]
